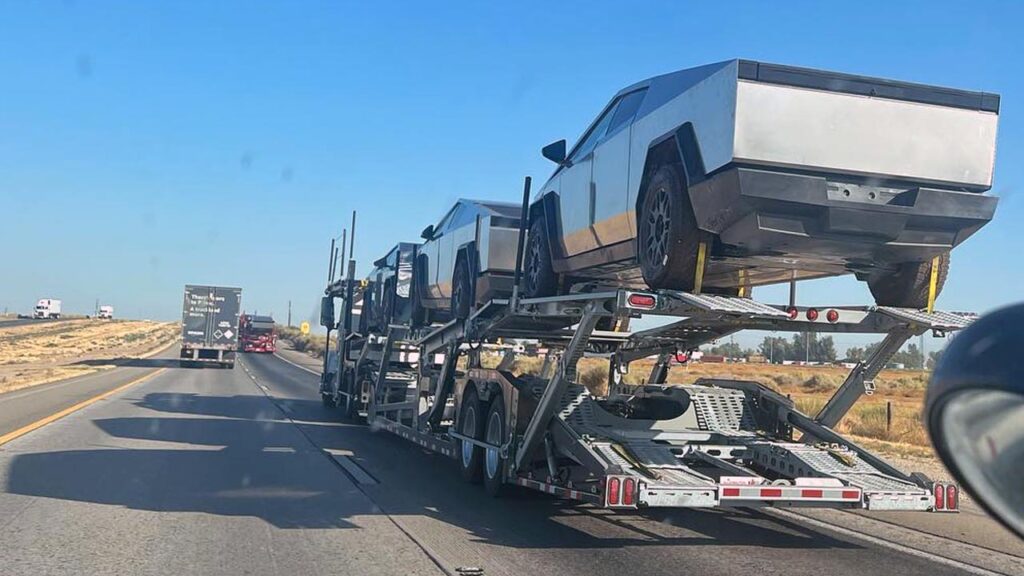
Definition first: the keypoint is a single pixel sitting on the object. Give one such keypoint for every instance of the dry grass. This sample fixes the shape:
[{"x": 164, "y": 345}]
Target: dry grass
[
  {"x": 311, "y": 344},
  {"x": 38, "y": 353}
]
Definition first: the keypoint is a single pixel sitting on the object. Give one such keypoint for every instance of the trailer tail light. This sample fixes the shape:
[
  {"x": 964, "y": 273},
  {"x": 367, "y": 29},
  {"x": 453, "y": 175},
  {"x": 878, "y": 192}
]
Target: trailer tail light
[
  {"x": 832, "y": 316},
  {"x": 629, "y": 492},
  {"x": 952, "y": 498},
  {"x": 812, "y": 314},
  {"x": 793, "y": 313},
  {"x": 940, "y": 497},
  {"x": 613, "y": 491},
  {"x": 645, "y": 301}
]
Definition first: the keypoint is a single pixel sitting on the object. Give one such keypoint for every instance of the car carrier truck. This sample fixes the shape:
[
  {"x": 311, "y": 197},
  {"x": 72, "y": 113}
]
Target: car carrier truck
[
  {"x": 712, "y": 443},
  {"x": 209, "y": 325},
  {"x": 257, "y": 334}
]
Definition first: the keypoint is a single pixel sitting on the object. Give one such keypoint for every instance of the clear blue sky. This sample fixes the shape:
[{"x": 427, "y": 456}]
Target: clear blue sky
[{"x": 146, "y": 145}]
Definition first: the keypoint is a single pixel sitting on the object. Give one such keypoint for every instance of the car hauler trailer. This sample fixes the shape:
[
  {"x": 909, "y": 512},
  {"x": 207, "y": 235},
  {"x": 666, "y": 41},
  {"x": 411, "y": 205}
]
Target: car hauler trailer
[
  {"x": 209, "y": 325},
  {"x": 713, "y": 443}
]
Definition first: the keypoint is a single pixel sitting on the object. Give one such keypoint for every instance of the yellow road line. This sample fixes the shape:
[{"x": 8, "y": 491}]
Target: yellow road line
[{"x": 58, "y": 415}]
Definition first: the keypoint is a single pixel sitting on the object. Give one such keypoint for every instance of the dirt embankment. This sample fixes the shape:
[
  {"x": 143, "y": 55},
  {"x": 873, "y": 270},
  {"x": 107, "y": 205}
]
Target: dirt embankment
[{"x": 38, "y": 353}]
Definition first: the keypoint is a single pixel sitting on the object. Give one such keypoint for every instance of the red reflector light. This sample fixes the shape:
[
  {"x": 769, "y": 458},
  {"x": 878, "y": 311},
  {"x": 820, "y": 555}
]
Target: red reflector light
[
  {"x": 793, "y": 313},
  {"x": 811, "y": 493},
  {"x": 641, "y": 300},
  {"x": 850, "y": 495},
  {"x": 613, "y": 491},
  {"x": 832, "y": 316},
  {"x": 940, "y": 497},
  {"x": 771, "y": 492},
  {"x": 628, "y": 492},
  {"x": 682, "y": 357},
  {"x": 812, "y": 314},
  {"x": 952, "y": 498},
  {"x": 730, "y": 492}
]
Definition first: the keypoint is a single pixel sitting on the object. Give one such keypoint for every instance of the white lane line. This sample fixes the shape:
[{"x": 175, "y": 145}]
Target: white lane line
[
  {"x": 883, "y": 543},
  {"x": 279, "y": 357}
]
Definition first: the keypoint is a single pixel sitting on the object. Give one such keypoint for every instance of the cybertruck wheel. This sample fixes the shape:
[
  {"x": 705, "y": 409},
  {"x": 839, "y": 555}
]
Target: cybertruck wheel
[
  {"x": 461, "y": 291},
  {"x": 908, "y": 286},
  {"x": 420, "y": 314},
  {"x": 667, "y": 236},
  {"x": 539, "y": 277}
]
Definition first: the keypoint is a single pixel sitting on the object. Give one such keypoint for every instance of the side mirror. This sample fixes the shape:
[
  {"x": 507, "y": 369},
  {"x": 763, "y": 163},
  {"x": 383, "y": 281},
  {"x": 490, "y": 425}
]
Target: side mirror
[
  {"x": 555, "y": 152},
  {"x": 975, "y": 410},
  {"x": 428, "y": 232},
  {"x": 327, "y": 312}
]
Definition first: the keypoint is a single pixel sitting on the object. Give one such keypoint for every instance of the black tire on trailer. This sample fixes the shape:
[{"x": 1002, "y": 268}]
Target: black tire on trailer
[
  {"x": 667, "y": 234},
  {"x": 420, "y": 314},
  {"x": 494, "y": 433},
  {"x": 387, "y": 304},
  {"x": 327, "y": 400},
  {"x": 462, "y": 291},
  {"x": 539, "y": 278},
  {"x": 908, "y": 286},
  {"x": 471, "y": 424}
]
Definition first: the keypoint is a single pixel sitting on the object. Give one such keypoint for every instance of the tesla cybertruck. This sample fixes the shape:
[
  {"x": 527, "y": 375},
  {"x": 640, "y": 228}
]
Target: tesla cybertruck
[{"x": 740, "y": 173}]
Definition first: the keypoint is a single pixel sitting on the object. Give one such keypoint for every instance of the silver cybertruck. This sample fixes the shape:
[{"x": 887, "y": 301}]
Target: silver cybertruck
[{"x": 779, "y": 172}]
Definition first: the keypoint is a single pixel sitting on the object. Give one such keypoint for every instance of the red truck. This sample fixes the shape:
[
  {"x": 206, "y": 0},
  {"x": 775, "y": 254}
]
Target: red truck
[{"x": 256, "y": 334}]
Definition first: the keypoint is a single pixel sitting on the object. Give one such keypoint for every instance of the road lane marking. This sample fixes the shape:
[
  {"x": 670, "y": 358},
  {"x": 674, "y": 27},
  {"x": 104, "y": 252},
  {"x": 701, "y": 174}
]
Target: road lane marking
[
  {"x": 58, "y": 415},
  {"x": 279, "y": 357},
  {"x": 800, "y": 518}
]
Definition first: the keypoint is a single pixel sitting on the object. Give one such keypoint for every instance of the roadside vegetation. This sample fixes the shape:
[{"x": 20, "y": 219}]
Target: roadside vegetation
[
  {"x": 35, "y": 354},
  {"x": 312, "y": 344}
]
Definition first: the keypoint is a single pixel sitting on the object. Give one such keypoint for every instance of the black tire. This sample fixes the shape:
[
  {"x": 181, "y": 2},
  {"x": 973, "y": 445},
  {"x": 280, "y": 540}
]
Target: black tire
[
  {"x": 420, "y": 314},
  {"x": 471, "y": 423},
  {"x": 667, "y": 233},
  {"x": 462, "y": 291},
  {"x": 494, "y": 433},
  {"x": 387, "y": 304},
  {"x": 327, "y": 400},
  {"x": 908, "y": 286},
  {"x": 539, "y": 278}
]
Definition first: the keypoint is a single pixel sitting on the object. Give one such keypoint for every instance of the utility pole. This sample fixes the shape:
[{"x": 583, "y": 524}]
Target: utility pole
[
  {"x": 96, "y": 310},
  {"x": 289, "y": 313},
  {"x": 807, "y": 347}
]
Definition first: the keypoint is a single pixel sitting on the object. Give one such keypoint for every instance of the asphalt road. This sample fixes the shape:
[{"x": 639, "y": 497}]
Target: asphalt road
[
  {"x": 5, "y": 323},
  {"x": 244, "y": 472}
]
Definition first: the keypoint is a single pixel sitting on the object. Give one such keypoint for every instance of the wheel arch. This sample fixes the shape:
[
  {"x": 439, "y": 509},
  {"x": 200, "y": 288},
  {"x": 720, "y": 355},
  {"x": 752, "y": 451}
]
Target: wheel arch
[{"x": 676, "y": 147}]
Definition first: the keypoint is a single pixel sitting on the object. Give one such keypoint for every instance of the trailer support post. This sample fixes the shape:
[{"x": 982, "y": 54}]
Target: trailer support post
[
  {"x": 861, "y": 379},
  {"x": 565, "y": 374}
]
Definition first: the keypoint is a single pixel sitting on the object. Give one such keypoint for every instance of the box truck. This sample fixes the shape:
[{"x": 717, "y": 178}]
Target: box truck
[
  {"x": 47, "y": 308},
  {"x": 209, "y": 325}
]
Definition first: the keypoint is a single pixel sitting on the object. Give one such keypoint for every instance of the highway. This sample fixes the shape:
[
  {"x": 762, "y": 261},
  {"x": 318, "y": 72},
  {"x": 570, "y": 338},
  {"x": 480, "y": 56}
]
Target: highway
[{"x": 245, "y": 472}]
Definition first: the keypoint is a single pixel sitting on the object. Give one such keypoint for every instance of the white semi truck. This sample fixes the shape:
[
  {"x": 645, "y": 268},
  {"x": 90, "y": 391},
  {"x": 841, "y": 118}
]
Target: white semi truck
[
  {"x": 106, "y": 313},
  {"x": 47, "y": 308}
]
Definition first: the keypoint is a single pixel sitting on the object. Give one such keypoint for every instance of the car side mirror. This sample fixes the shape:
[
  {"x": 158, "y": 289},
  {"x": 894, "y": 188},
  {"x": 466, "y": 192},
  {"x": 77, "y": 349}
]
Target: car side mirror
[
  {"x": 327, "y": 312},
  {"x": 974, "y": 408},
  {"x": 555, "y": 152},
  {"x": 428, "y": 232}
]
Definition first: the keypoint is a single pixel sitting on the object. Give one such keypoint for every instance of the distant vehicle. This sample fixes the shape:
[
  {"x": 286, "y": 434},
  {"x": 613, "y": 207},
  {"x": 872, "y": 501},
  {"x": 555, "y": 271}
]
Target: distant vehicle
[
  {"x": 209, "y": 325},
  {"x": 47, "y": 308},
  {"x": 466, "y": 259},
  {"x": 106, "y": 313},
  {"x": 257, "y": 334},
  {"x": 766, "y": 173}
]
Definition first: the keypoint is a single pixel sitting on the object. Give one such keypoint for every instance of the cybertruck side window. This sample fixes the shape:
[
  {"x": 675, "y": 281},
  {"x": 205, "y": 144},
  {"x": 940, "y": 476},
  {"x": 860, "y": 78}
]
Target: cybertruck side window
[
  {"x": 626, "y": 110},
  {"x": 586, "y": 146}
]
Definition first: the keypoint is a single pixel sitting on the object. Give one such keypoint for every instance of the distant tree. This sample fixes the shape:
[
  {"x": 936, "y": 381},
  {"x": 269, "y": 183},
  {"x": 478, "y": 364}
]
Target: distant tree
[
  {"x": 729, "y": 349},
  {"x": 933, "y": 359},
  {"x": 776, "y": 349}
]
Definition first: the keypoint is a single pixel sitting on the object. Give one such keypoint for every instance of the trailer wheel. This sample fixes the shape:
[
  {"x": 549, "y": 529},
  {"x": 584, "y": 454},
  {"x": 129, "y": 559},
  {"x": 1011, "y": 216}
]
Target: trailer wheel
[
  {"x": 908, "y": 286},
  {"x": 539, "y": 278},
  {"x": 494, "y": 433},
  {"x": 471, "y": 424},
  {"x": 667, "y": 235},
  {"x": 461, "y": 291}
]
